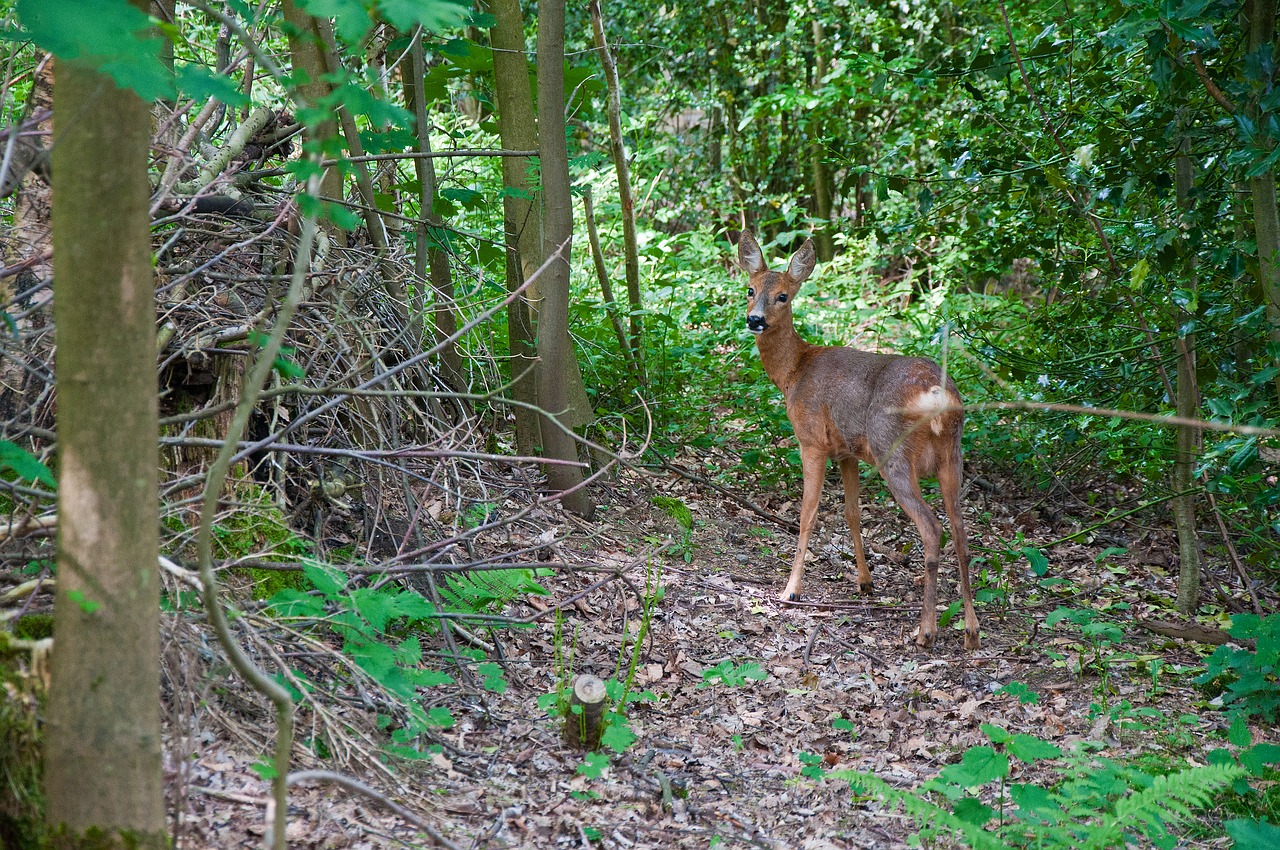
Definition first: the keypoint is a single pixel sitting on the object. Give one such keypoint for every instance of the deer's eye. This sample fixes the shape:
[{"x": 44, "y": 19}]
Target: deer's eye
[
  {"x": 751, "y": 293},
  {"x": 782, "y": 297}
]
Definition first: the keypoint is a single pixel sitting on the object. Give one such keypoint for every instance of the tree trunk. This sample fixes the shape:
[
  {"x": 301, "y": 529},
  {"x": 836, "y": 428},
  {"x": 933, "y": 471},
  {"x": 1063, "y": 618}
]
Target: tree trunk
[
  {"x": 428, "y": 257},
  {"x": 558, "y": 365},
  {"x": 102, "y": 750},
  {"x": 619, "y": 151},
  {"x": 518, "y": 131},
  {"x": 1188, "y": 442},
  {"x": 1266, "y": 213},
  {"x": 822, "y": 240},
  {"x": 306, "y": 52},
  {"x": 606, "y": 288}
]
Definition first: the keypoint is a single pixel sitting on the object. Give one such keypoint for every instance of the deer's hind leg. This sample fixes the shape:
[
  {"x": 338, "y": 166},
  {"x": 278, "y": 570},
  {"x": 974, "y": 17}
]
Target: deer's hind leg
[
  {"x": 853, "y": 515},
  {"x": 904, "y": 485}
]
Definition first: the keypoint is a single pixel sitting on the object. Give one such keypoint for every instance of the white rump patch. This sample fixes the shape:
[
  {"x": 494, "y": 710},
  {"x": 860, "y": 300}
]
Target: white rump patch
[{"x": 930, "y": 403}]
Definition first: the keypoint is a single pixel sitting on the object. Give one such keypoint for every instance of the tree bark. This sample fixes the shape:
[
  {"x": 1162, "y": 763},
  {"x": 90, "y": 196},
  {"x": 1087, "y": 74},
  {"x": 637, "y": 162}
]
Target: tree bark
[
  {"x": 428, "y": 258},
  {"x": 102, "y": 750},
  {"x": 1262, "y": 189},
  {"x": 518, "y": 131},
  {"x": 821, "y": 175},
  {"x": 618, "y": 149},
  {"x": 1188, "y": 440},
  {"x": 584, "y": 723},
  {"x": 306, "y": 53},
  {"x": 606, "y": 288},
  {"x": 557, "y": 363}
]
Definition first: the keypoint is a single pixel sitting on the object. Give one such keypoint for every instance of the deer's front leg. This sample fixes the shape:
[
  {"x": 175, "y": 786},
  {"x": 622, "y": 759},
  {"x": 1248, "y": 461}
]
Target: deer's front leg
[{"x": 814, "y": 464}]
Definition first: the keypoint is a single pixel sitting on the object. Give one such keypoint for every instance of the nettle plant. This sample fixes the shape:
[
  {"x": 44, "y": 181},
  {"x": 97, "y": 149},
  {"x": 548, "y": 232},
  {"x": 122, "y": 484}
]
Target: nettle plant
[{"x": 616, "y": 733}]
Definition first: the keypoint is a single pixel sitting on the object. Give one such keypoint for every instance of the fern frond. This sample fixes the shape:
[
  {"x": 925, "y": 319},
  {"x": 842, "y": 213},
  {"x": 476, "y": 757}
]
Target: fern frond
[
  {"x": 1170, "y": 799},
  {"x": 927, "y": 816},
  {"x": 487, "y": 591}
]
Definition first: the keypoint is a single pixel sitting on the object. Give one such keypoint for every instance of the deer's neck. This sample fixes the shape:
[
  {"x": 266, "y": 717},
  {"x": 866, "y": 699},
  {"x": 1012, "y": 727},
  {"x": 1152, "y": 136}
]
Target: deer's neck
[{"x": 781, "y": 350}]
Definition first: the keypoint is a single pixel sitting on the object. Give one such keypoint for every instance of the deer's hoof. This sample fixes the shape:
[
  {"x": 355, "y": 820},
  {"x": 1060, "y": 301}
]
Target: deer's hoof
[
  {"x": 864, "y": 588},
  {"x": 971, "y": 640},
  {"x": 789, "y": 596},
  {"x": 924, "y": 640}
]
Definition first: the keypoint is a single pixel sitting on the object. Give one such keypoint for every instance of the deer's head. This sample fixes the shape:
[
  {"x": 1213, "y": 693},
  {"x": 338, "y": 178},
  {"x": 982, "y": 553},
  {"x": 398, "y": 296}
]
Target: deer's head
[{"x": 769, "y": 293}]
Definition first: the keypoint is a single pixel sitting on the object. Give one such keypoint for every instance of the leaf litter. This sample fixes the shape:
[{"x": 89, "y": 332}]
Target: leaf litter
[{"x": 732, "y": 760}]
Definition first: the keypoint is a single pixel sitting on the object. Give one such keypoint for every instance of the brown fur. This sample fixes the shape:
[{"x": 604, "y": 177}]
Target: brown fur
[{"x": 900, "y": 414}]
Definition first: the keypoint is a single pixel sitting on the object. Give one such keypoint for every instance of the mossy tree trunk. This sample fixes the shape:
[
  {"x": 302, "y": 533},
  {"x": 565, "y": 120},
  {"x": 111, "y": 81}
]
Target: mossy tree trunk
[{"x": 102, "y": 752}]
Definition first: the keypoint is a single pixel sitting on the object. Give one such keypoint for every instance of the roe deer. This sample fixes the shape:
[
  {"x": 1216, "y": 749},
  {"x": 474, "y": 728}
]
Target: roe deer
[{"x": 900, "y": 413}]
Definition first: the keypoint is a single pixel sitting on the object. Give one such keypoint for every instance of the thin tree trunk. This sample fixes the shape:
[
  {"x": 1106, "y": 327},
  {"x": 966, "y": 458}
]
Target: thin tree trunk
[
  {"x": 373, "y": 220},
  {"x": 102, "y": 749},
  {"x": 606, "y": 288},
  {"x": 518, "y": 131},
  {"x": 427, "y": 254},
  {"x": 618, "y": 149},
  {"x": 306, "y": 53},
  {"x": 1266, "y": 213},
  {"x": 1188, "y": 441},
  {"x": 822, "y": 239},
  {"x": 555, "y": 349}
]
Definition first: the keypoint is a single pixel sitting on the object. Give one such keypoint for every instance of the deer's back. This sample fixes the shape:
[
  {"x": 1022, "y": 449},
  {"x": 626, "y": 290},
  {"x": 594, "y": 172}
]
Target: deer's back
[{"x": 861, "y": 404}]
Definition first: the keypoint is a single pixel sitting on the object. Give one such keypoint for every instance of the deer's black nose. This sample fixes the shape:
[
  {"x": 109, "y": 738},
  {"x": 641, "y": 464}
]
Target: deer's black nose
[{"x": 756, "y": 324}]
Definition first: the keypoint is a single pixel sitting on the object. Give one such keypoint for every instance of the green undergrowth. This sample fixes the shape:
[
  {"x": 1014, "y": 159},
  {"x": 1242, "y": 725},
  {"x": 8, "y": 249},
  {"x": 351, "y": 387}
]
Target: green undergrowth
[
  {"x": 380, "y": 626},
  {"x": 1021, "y": 791},
  {"x": 21, "y": 745}
]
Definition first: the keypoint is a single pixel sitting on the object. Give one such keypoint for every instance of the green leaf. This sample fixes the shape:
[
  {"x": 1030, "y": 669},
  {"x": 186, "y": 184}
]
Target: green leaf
[
  {"x": 1035, "y": 804},
  {"x": 109, "y": 36},
  {"x": 1029, "y": 748},
  {"x": 978, "y": 766},
  {"x": 328, "y": 580},
  {"x": 200, "y": 83},
  {"x": 1238, "y": 734},
  {"x": 440, "y": 717},
  {"x": 995, "y": 734},
  {"x": 1039, "y": 563},
  {"x": 617, "y": 735},
  {"x": 593, "y": 765},
  {"x": 973, "y": 811},
  {"x": 494, "y": 681},
  {"x": 1253, "y": 834},
  {"x": 24, "y": 463},
  {"x": 434, "y": 15},
  {"x": 351, "y": 18},
  {"x": 85, "y": 604},
  {"x": 1017, "y": 689},
  {"x": 1256, "y": 759},
  {"x": 266, "y": 770}
]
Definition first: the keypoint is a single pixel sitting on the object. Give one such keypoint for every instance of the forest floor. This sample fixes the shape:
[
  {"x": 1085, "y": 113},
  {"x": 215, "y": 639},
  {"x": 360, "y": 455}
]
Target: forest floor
[{"x": 845, "y": 687}]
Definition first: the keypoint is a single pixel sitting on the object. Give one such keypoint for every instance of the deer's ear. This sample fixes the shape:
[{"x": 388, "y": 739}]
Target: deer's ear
[
  {"x": 802, "y": 263},
  {"x": 749, "y": 256}
]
